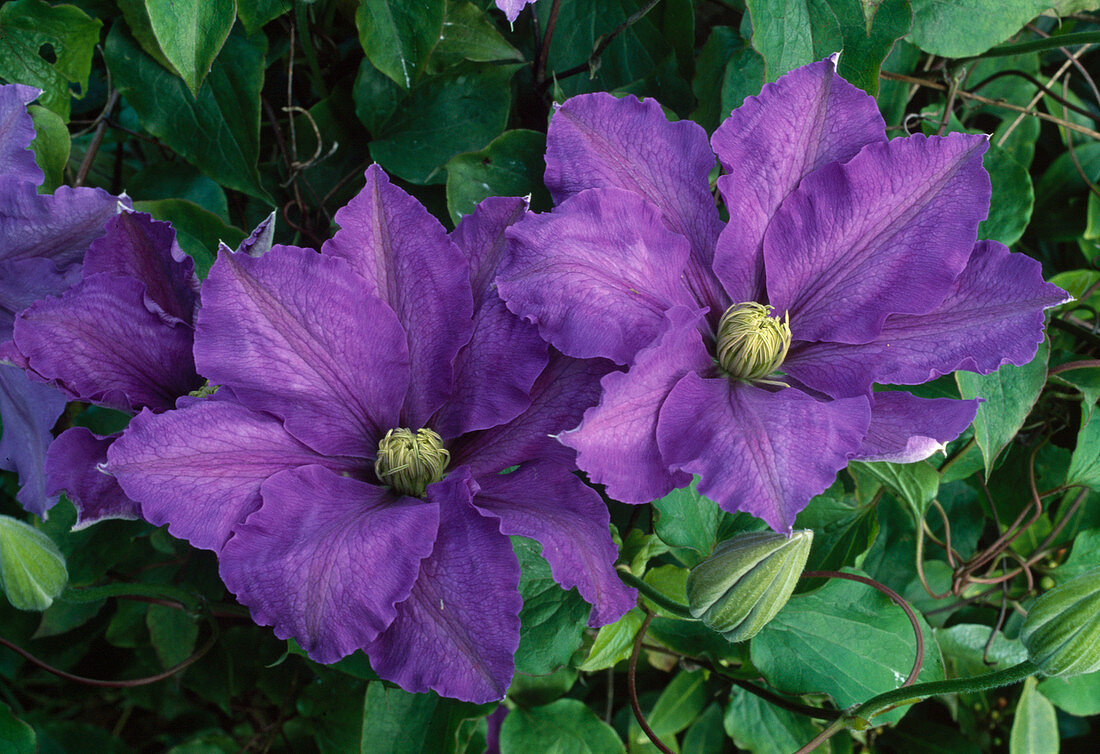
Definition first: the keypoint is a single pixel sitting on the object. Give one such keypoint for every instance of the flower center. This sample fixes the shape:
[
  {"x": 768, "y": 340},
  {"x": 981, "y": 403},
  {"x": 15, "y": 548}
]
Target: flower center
[
  {"x": 409, "y": 461},
  {"x": 751, "y": 342}
]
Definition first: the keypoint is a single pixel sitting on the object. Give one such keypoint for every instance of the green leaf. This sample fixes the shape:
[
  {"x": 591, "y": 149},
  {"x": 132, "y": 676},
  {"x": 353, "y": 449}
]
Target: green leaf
[
  {"x": 398, "y": 36},
  {"x": 1008, "y": 394},
  {"x": 1084, "y": 556},
  {"x": 915, "y": 484},
  {"x": 614, "y": 642},
  {"x": 868, "y": 35},
  {"x": 219, "y": 132},
  {"x": 178, "y": 180},
  {"x": 762, "y": 728},
  {"x": 710, "y": 70},
  {"x": 191, "y": 34},
  {"x": 461, "y": 111},
  {"x": 197, "y": 230},
  {"x": 255, "y": 13},
  {"x": 32, "y": 568},
  {"x": 16, "y": 737},
  {"x": 964, "y": 650},
  {"x": 843, "y": 527},
  {"x": 1078, "y": 695},
  {"x": 1035, "y": 726},
  {"x": 680, "y": 702},
  {"x": 847, "y": 640},
  {"x": 31, "y": 28},
  {"x": 707, "y": 734},
  {"x": 1084, "y": 464},
  {"x": 512, "y": 165},
  {"x": 961, "y": 28},
  {"x": 51, "y": 146},
  {"x": 552, "y": 621},
  {"x": 566, "y": 726},
  {"x": 537, "y": 690},
  {"x": 744, "y": 77},
  {"x": 1061, "y": 194},
  {"x": 173, "y": 633},
  {"x": 469, "y": 34},
  {"x": 397, "y": 722},
  {"x": 1012, "y": 200},
  {"x": 688, "y": 520},
  {"x": 792, "y": 33}
]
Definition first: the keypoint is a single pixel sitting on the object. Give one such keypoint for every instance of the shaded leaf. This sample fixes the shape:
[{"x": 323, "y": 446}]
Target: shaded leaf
[
  {"x": 551, "y": 621},
  {"x": 173, "y": 633},
  {"x": 614, "y": 642},
  {"x": 32, "y": 568},
  {"x": 197, "y": 230},
  {"x": 219, "y": 132},
  {"x": 51, "y": 146},
  {"x": 1035, "y": 726},
  {"x": 16, "y": 737},
  {"x": 398, "y": 36},
  {"x": 512, "y": 165},
  {"x": 566, "y": 726},
  {"x": 762, "y": 728},
  {"x": 1008, "y": 396},
  {"x": 397, "y": 722},
  {"x": 191, "y": 34},
  {"x": 961, "y": 28}
]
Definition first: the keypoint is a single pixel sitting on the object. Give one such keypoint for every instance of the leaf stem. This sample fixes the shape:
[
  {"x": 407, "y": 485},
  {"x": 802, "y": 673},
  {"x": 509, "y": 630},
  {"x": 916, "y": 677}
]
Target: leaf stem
[{"x": 678, "y": 609}]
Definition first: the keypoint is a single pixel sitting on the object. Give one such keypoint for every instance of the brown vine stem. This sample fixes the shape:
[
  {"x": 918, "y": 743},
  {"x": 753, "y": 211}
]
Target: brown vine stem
[
  {"x": 1069, "y": 366},
  {"x": 97, "y": 139},
  {"x": 632, "y": 689},
  {"x": 1039, "y": 95},
  {"x": 994, "y": 102},
  {"x": 191, "y": 660},
  {"x": 544, "y": 48}
]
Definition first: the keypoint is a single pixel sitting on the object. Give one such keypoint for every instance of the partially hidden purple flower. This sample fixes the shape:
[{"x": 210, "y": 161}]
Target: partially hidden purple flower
[
  {"x": 121, "y": 338},
  {"x": 512, "y": 8},
  {"x": 349, "y": 472},
  {"x": 753, "y": 345},
  {"x": 43, "y": 238}
]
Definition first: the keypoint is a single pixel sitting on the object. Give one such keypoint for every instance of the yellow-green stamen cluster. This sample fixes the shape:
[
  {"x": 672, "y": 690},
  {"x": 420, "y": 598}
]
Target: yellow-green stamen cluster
[
  {"x": 751, "y": 343},
  {"x": 409, "y": 461}
]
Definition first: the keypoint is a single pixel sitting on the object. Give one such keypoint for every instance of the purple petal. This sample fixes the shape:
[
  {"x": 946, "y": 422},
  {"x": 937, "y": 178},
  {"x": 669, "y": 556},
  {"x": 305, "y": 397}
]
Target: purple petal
[
  {"x": 299, "y": 335},
  {"x": 199, "y": 469},
  {"x": 259, "y": 241},
  {"x": 24, "y": 281},
  {"x": 757, "y": 451},
  {"x": 906, "y": 429},
  {"x": 138, "y": 246},
  {"x": 993, "y": 315},
  {"x": 616, "y": 442},
  {"x": 545, "y": 502},
  {"x": 808, "y": 118},
  {"x": 558, "y": 399},
  {"x": 600, "y": 141},
  {"x": 403, "y": 252},
  {"x": 325, "y": 558},
  {"x": 73, "y": 466},
  {"x": 56, "y": 226},
  {"x": 459, "y": 629},
  {"x": 28, "y": 411},
  {"x": 17, "y": 133},
  {"x": 886, "y": 232},
  {"x": 100, "y": 343},
  {"x": 596, "y": 274},
  {"x": 494, "y": 372},
  {"x": 512, "y": 8}
]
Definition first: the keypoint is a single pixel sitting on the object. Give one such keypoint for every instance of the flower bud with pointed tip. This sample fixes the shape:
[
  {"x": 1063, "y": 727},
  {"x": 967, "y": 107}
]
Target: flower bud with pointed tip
[
  {"x": 1062, "y": 629},
  {"x": 409, "y": 461},
  {"x": 747, "y": 580}
]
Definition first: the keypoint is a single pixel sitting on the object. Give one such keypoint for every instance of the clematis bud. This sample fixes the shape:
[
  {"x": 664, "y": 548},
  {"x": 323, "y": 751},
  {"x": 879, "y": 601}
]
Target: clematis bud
[
  {"x": 409, "y": 461},
  {"x": 751, "y": 342},
  {"x": 746, "y": 581},
  {"x": 1062, "y": 628}
]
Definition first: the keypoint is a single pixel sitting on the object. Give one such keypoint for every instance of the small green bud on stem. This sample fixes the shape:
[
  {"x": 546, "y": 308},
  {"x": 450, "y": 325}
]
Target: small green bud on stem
[
  {"x": 747, "y": 580},
  {"x": 409, "y": 461}
]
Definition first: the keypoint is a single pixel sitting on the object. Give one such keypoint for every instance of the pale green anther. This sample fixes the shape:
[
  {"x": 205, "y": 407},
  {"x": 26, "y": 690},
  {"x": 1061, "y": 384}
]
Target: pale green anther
[
  {"x": 205, "y": 390},
  {"x": 751, "y": 342},
  {"x": 409, "y": 461}
]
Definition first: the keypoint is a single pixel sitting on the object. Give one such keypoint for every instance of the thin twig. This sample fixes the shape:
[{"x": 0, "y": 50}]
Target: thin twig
[
  {"x": 632, "y": 689},
  {"x": 594, "y": 58},
  {"x": 1035, "y": 100},
  {"x": 544, "y": 48},
  {"x": 97, "y": 140},
  {"x": 994, "y": 102}
]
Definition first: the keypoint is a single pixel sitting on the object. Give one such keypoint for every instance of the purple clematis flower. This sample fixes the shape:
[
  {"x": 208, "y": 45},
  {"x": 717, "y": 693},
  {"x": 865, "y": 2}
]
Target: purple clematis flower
[
  {"x": 753, "y": 346},
  {"x": 512, "y": 8},
  {"x": 121, "y": 338},
  {"x": 43, "y": 238},
  {"x": 348, "y": 472}
]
